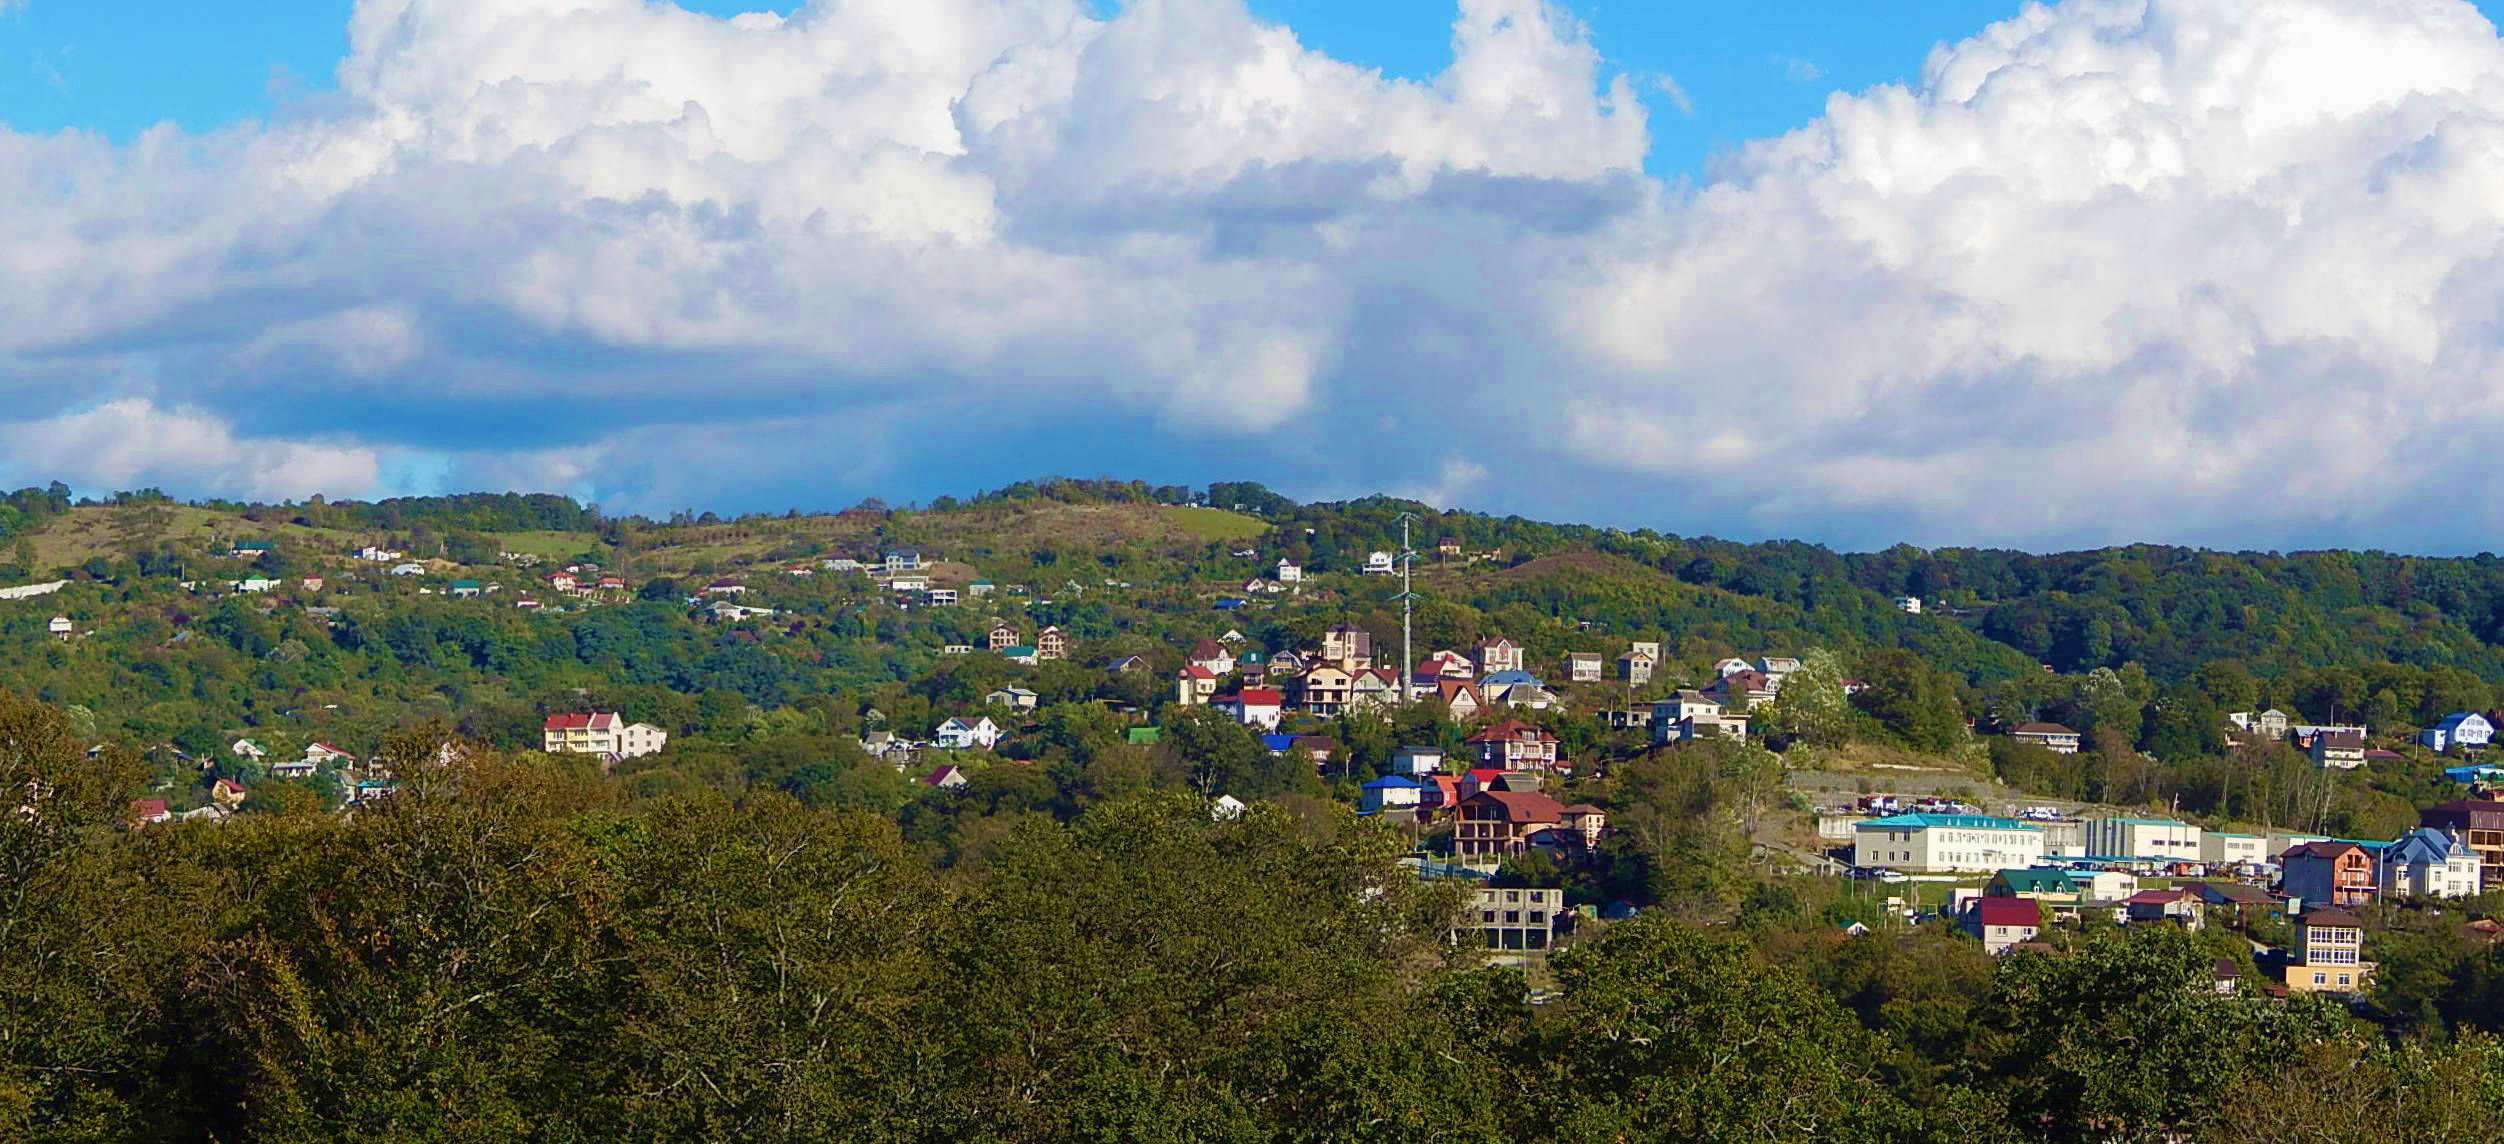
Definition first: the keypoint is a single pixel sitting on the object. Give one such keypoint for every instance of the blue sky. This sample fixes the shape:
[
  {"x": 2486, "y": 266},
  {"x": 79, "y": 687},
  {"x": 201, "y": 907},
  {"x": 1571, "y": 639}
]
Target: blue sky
[
  {"x": 664, "y": 261},
  {"x": 1748, "y": 70}
]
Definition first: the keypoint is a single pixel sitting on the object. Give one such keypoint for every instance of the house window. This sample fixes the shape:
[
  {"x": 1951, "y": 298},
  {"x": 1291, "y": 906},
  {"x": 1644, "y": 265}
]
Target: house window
[
  {"x": 2317, "y": 979},
  {"x": 1538, "y": 915},
  {"x": 1512, "y": 917},
  {"x": 2343, "y": 979}
]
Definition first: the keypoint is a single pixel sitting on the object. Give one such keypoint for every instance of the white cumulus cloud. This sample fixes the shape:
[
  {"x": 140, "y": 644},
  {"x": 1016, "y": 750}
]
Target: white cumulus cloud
[{"x": 2215, "y": 270}]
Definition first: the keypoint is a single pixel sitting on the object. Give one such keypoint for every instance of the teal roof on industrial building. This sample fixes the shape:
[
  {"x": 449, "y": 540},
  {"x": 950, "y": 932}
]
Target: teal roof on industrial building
[{"x": 1974, "y": 821}]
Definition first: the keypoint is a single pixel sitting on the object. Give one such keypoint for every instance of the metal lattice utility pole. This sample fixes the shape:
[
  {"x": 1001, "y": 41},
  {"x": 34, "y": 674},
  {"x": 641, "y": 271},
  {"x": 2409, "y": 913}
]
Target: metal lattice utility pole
[{"x": 1408, "y": 611}]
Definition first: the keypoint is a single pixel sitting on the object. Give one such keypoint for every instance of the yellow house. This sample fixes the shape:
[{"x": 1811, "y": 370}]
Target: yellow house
[{"x": 2329, "y": 954}]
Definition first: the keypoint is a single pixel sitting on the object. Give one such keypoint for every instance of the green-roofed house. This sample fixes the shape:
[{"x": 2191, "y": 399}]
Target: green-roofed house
[
  {"x": 1146, "y": 736},
  {"x": 2037, "y": 883},
  {"x": 980, "y": 588},
  {"x": 247, "y": 549},
  {"x": 1022, "y": 653},
  {"x": 1946, "y": 843},
  {"x": 465, "y": 588}
]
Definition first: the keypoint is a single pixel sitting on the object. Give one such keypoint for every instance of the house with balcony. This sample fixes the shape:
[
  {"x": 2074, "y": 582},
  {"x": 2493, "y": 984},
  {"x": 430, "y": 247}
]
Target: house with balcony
[
  {"x": 2328, "y": 953},
  {"x": 1513, "y": 745},
  {"x": 2328, "y": 874},
  {"x": 2050, "y": 736},
  {"x": 1493, "y": 824}
]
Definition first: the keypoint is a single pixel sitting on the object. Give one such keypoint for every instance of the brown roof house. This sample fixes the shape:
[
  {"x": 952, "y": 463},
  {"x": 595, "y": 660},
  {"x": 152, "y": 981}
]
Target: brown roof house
[{"x": 1492, "y": 824}]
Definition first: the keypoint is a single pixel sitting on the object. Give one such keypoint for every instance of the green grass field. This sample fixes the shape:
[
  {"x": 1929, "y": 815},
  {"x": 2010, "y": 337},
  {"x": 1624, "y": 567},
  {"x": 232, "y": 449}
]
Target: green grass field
[
  {"x": 550, "y": 545},
  {"x": 1215, "y": 523}
]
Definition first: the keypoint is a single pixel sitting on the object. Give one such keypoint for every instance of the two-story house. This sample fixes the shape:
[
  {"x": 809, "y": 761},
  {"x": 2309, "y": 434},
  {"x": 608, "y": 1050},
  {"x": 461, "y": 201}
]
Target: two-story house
[
  {"x": 1213, "y": 656},
  {"x": 2344, "y": 750},
  {"x": 1516, "y": 746},
  {"x": 1584, "y": 666},
  {"x": 1324, "y": 691},
  {"x": 1498, "y": 654},
  {"x": 960, "y": 733},
  {"x": 2327, "y": 873},
  {"x": 2459, "y": 729},
  {"x": 2427, "y": 863},
  {"x": 2004, "y": 923},
  {"x": 1194, "y": 685}
]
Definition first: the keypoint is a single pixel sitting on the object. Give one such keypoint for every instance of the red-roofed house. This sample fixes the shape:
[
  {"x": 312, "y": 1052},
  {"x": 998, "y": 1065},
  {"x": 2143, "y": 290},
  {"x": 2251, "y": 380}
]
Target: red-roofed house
[
  {"x": 147, "y": 810},
  {"x": 600, "y": 733},
  {"x": 1516, "y": 746},
  {"x": 227, "y": 793},
  {"x": 2002, "y": 923},
  {"x": 1496, "y": 823},
  {"x": 1194, "y": 685},
  {"x": 1255, "y": 706}
]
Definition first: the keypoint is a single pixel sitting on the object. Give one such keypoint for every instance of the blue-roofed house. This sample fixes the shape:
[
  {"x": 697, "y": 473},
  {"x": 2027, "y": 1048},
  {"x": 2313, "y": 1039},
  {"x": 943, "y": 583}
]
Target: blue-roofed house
[
  {"x": 2427, "y": 863},
  {"x": 2462, "y": 729},
  {"x": 1389, "y": 792},
  {"x": 1278, "y": 744}
]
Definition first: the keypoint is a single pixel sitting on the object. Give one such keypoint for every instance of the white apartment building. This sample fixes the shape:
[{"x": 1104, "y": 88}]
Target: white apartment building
[
  {"x": 2159, "y": 839},
  {"x": 1946, "y": 843}
]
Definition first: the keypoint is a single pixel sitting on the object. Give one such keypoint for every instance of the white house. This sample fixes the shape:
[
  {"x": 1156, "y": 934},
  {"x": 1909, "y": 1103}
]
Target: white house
[
  {"x": 1946, "y": 843},
  {"x": 61, "y": 627},
  {"x": 1414, "y": 761},
  {"x": 2225, "y": 848},
  {"x": 1388, "y": 792},
  {"x": 2465, "y": 728},
  {"x": 247, "y": 749},
  {"x": 378, "y": 555},
  {"x": 1255, "y": 706},
  {"x": 411, "y": 569},
  {"x": 2161, "y": 839},
  {"x": 1910, "y": 605},
  {"x": 2427, "y": 863},
  {"x": 960, "y": 733},
  {"x": 1378, "y": 564},
  {"x": 1289, "y": 572}
]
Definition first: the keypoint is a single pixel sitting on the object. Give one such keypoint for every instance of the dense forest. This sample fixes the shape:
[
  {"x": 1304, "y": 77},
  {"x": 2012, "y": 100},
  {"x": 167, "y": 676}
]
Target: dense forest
[{"x": 515, "y": 950}]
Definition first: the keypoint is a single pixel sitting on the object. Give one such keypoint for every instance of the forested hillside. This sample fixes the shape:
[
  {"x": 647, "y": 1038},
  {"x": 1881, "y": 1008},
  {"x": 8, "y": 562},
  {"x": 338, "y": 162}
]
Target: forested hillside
[{"x": 527, "y": 950}]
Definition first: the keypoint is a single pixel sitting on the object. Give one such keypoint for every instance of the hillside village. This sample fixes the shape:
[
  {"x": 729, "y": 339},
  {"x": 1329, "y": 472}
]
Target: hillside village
[
  {"x": 1494, "y": 758},
  {"x": 1946, "y": 769}
]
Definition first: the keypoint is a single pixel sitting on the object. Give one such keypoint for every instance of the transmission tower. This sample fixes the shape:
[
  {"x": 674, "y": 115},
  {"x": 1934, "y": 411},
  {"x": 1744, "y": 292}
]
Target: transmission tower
[{"x": 1408, "y": 611}]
